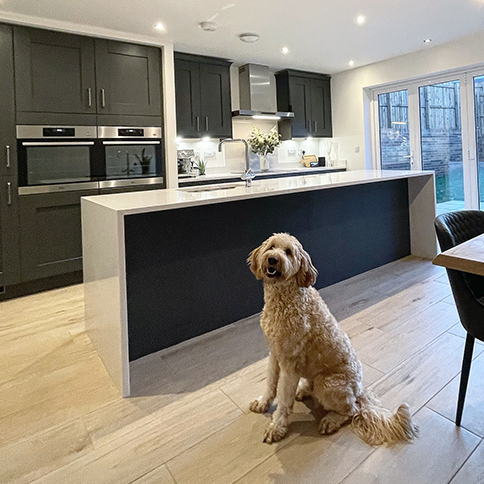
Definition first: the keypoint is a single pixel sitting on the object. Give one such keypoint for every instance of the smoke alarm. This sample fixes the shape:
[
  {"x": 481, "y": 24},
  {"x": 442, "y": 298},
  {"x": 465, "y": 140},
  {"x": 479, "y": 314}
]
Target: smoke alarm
[
  {"x": 249, "y": 38},
  {"x": 208, "y": 26}
]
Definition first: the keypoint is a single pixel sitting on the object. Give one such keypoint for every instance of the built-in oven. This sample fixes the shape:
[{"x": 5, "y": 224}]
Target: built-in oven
[
  {"x": 57, "y": 158},
  {"x": 131, "y": 156}
]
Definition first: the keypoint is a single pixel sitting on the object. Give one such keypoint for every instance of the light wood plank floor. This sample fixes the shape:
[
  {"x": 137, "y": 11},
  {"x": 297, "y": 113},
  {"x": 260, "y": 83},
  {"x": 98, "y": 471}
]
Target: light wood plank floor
[{"x": 62, "y": 420}]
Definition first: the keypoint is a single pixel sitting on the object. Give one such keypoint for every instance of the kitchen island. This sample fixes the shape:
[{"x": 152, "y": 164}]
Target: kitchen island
[{"x": 164, "y": 266}]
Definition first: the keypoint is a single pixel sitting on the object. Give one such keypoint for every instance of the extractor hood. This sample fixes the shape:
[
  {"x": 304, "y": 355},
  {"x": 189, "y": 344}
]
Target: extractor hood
[{"x": 257, "y": 91}]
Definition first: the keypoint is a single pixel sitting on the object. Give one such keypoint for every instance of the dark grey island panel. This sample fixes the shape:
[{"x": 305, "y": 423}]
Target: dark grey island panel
[{"x": 186, "y": 269}]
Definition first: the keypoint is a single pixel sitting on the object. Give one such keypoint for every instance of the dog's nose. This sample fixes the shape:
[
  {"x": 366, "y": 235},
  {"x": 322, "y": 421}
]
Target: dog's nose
[{"x": 273, "y": 261}]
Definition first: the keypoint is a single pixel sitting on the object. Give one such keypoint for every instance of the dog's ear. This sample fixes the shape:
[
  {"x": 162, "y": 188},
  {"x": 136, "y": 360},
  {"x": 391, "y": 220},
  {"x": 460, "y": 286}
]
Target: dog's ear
[
  {"x": 306, "y": 276},
  {"x": 254, "y": 263}
]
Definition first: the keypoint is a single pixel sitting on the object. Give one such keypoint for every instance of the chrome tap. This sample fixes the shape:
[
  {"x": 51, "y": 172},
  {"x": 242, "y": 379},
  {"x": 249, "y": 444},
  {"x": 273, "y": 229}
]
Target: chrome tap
[{"x": 248, "y": 174}]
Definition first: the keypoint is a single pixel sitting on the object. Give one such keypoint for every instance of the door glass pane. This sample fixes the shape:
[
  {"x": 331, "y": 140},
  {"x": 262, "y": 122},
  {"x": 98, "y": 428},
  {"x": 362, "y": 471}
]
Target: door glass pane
[
  {"x": 479, "y": 108},
  {"x": 58, "y": 164},
  {"x": 394, "y": 133},
  {"x": 441, "y": 137},
  {"x": 131, "y": 161}
]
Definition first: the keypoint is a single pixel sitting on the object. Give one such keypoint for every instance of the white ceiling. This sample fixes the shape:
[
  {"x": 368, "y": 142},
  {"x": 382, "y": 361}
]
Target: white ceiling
[{"x": 322, "y": 35}]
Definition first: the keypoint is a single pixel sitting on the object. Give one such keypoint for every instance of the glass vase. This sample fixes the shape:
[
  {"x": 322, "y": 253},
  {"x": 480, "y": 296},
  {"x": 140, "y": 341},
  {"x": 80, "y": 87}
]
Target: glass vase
[{"x": 264, "y": 164}]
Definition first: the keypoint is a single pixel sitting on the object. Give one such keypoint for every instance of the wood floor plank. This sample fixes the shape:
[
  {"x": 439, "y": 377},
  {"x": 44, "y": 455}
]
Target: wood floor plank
[
  {"x": 399, "y": 341},
  {"x": 434, "y": 457},
  {"x": 418, "y": 379},
  {"x": 235, "y": 450},
  {"x": 312, "y": 459},
  {"x": 445, "y": 402},
  {"x": 472, "y": 472},
  {"x": 405, "y": 304},
  {"x": 128, "y": 456},
  {"x": 160, "y": 475},
  {"x": 32, "y": 458}
]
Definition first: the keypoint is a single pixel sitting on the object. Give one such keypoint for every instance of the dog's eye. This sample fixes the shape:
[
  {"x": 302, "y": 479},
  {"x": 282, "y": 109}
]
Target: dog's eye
[{"x": 288, "y": 251}]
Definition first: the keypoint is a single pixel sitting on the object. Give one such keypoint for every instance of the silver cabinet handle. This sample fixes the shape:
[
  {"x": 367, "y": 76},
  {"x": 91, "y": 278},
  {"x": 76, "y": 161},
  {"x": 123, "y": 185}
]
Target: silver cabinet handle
[
  {"x": 103, "y": 98},
  {"x": 315, "y": 126},
  {"x": 197, "y": 120},
  {"x": 57, "y": 143},
  {"x": 9, "y": 193},
  {"x": 8, "y": 156},
  {"x": 308, "y": 126},
  {"x": 206, "y": 123},
  {"x": 89, "y": 96}
]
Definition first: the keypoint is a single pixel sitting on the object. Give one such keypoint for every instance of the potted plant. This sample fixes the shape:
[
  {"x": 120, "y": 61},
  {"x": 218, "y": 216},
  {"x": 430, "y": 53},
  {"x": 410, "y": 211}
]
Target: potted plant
[
  {"x": 263, "y": 144},
  {"x": 201, "y": 166}
]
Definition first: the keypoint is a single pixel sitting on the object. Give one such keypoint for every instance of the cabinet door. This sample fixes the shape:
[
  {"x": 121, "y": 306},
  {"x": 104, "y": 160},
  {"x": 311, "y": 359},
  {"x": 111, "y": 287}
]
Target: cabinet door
[
  {"x": 9, "y": 232},
  {"x": 187, "y": 89},
  {"x": 300, "y": 103},
  {"x": 321, "y": 108},
  {"x": 215, "y": 101},
  {"x": 128, "y": 78},
  {"x": 54, "y": 72},
  {"x": 8, "y": 144},
  {"x": 50, "y": 234}
]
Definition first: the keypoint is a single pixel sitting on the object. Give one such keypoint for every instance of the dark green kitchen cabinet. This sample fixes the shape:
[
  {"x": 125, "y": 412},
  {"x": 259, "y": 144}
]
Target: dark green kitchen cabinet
[
  {"x": 54, "y": 73},
  {"x": 203, "y": 102},
  {"x": 308, "y": 95},
  {"x": 128, "y": 79},
  {"x": 50, "y": 233},
  {"x": 8, "y": 143},
  {"x": 9, "y": 232}
]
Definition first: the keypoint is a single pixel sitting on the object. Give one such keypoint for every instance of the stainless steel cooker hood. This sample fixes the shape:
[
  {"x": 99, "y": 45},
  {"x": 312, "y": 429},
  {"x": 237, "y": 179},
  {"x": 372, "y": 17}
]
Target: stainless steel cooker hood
[{"x": 257, "y": 89}]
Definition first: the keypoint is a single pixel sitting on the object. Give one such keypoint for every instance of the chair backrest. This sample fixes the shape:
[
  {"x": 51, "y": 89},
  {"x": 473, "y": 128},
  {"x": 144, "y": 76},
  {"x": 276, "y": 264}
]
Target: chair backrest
[{"x": 454, "y": 228}]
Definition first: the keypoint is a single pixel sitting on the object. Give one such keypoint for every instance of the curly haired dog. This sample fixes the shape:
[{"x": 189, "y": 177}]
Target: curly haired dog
[{"x": 311, "y": 355}]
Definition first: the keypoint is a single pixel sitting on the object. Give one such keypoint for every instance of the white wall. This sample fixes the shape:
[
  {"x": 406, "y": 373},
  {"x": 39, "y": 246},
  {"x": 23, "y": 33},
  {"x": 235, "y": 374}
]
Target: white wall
[{"x": 347, "y": 89}]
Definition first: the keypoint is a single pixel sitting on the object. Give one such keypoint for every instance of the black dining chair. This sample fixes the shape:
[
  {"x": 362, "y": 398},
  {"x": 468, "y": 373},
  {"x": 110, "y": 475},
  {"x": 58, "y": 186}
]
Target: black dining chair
[{"x": 454, "y": 228}]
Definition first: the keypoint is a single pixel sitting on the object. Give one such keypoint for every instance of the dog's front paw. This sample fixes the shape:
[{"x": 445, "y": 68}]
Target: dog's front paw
[
  {"x": 260, "y": 405},
  {"x": 274, "y": 434},
  {"x": 332, "y": 422}
]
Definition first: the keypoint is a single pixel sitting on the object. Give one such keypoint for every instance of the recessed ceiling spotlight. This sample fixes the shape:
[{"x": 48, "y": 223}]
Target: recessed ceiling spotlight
[
  {"x": 351, "y": 63},
  {"x": 285, "y": 50},
  {"x": 159, "y": 26},
  {"x": 361, "y": 19},
  {"x": 427, "y": 41},
  {"x": 249, "y": 38},
  {"x": 208, "y": 26}
]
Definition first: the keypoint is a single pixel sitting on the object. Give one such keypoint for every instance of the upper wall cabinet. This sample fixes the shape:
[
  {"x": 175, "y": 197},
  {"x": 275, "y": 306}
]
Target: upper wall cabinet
[
  {"x": 54, "y": 72},
  {"x": 8, "y": 143},
  {"x": 202, "y": 96},
  {"x": 308, "y": 95},
  {"x": 128, "y": 79},
  {"x": 68, "y": 79}
]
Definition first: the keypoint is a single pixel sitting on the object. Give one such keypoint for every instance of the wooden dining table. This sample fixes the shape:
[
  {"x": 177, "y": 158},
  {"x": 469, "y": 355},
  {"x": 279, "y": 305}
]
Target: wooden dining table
[{"x": 466, "y": 257}]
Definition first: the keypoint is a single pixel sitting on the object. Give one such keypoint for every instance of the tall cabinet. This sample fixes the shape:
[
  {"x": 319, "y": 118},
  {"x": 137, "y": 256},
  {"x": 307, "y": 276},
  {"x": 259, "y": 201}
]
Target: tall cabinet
[
  {"x": 308, "y": 95},
  {"x": 9, "y": 224}
]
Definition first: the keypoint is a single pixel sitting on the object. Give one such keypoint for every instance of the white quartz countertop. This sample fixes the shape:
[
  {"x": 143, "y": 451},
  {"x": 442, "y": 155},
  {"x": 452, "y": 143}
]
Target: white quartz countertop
[{"x": 155, "y": 200}]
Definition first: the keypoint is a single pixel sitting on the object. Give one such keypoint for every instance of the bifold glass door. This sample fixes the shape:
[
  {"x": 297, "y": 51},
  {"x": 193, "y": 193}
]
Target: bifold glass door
[
  {"x": 435, "y": 125},
  {"x": 441, "y": 142},
  {"x": 394, "y": 130}
]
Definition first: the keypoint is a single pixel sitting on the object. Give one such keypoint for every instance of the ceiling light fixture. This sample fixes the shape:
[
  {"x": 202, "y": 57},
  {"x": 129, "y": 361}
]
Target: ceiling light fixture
[
  {"x": 285, "y": 50},
  {"x": 208, "y": 26},
  {"x": 427, "y": 41},
  {"x": 249, "y": 38},
  {"x": 361, "y": 19},
  {"x": 351, "y": 63},
  {"x": 159, "y": 26},
  {"x": 266, "y": 116}
]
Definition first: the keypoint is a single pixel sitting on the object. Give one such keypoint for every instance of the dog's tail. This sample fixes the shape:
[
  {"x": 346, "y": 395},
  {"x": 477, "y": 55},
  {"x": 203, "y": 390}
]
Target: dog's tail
[{"x": 377, "y": 425}]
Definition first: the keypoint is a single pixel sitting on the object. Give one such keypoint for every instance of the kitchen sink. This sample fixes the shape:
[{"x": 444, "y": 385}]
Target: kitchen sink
[{"x": 209, "y": 188}]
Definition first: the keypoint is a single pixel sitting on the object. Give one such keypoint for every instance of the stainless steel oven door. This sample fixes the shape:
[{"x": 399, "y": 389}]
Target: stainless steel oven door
[
  {"x": 130, "y": 159},
  {"x": 53, "y": 162}
]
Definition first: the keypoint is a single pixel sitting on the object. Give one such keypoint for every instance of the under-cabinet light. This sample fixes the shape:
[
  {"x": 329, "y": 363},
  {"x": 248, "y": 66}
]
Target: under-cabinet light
[
  {"x": 266, "y": 116},
  {"x": 206, "y": 138}
]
